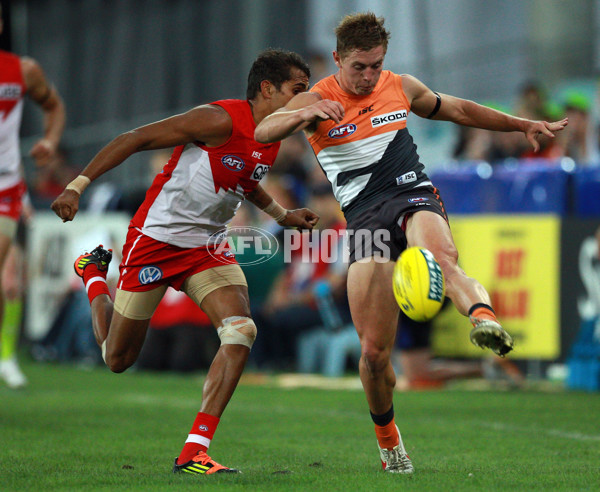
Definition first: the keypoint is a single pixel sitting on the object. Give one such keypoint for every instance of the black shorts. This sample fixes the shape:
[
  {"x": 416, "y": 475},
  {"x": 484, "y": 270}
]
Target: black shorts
[
  {"x": 412, "y": 334},
  {"x": 379, "y": 231}
]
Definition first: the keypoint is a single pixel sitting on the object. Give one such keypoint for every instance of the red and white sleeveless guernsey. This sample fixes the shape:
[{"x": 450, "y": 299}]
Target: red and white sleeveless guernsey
[
  {"x": 12, "y": 91},
  {"x": 199, "y": 190}
]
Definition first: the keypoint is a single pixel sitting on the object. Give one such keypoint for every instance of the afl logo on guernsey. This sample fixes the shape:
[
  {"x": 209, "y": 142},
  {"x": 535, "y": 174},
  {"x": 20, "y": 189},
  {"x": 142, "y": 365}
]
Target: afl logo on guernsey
[
  {"x": 233, "y": 162},
  {"x": 342, "y": 131},
  {"x": 149, "y": 274}
]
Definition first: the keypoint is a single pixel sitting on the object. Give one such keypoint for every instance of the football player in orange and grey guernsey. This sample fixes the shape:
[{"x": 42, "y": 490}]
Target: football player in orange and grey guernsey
[
  {"x": 355, "y": 121},
  {"x": 215, "y": 165},
  {"x": 19, "y": 76}
]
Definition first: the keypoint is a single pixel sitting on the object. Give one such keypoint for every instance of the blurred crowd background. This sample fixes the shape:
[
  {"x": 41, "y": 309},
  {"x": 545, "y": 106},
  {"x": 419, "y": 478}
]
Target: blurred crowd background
[{"x": 121, "y": 64}]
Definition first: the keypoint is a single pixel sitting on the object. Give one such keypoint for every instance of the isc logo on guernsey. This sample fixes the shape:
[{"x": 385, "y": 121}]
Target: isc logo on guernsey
[{"x": 342, "y": 131}]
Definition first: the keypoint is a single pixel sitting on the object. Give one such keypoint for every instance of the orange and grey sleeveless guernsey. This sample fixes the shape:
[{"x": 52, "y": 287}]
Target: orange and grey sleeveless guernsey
[
  {"x": 199, "y": 190},
  {"x": 369, "y": 156}
]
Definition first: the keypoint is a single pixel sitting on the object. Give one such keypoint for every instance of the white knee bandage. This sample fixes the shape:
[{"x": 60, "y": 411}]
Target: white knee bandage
[
  {"x": 237, "y": 330},
  {"x": 104, "y": 351}
]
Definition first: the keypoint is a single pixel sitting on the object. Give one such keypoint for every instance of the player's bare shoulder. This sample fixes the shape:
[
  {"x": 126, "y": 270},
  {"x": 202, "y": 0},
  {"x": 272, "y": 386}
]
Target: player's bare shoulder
[
  {"x": 412, "y": 86},
  {"x": 33, "y": 74},
  {"x": 211, "y": 123}
]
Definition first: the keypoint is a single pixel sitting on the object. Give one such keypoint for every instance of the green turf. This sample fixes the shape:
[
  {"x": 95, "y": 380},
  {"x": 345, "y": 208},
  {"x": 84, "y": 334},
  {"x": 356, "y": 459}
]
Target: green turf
[{"x": 92, "y": 430}]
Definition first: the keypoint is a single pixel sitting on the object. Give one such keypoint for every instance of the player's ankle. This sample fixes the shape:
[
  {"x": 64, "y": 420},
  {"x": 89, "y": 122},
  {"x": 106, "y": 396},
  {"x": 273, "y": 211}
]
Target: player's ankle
[
  {"x": 95, "y": 285},
  {"x": 386, "y": 430},
  {"x": 482, "y": 311},
  {"x": 92, "y": 271}
]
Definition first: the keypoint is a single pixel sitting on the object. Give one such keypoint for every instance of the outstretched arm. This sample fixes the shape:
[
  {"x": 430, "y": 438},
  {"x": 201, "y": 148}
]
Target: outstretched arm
[
  {"x": 48, "y": 98},
  {"x": 301, "y": 112},
  {"x": 302, "y": 218},
  {"x": 469, "y": 113},
  {"x": 208, "y": 124}
]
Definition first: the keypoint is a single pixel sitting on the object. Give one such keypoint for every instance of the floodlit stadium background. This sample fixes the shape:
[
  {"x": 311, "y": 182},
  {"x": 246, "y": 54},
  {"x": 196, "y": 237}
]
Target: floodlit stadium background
[{"x": 122, "y": 63}]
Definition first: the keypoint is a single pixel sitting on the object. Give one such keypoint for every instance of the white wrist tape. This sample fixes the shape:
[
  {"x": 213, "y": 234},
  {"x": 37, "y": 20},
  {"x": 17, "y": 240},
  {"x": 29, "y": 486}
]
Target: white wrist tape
[
  {"x": 79, "y": 184},
  {"x": 276, "y": 211}
]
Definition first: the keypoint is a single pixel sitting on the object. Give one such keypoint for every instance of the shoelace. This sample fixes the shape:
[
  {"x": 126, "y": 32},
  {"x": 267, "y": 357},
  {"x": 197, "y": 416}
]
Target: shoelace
[{"x": 397, "y": 460}]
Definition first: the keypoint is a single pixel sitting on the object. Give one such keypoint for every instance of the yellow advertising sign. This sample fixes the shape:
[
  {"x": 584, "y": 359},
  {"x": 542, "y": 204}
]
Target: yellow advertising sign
[{"x": 517, "y": 259}]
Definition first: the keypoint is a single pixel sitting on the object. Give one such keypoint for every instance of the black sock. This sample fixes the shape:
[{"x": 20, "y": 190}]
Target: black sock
[
  {"x": 480, "y": 305},
  {"x": 383, "y": 419}
]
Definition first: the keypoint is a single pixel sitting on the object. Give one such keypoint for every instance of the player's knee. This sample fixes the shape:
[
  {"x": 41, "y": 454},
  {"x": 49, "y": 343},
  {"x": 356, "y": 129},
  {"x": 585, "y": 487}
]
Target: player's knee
[
  {"x": 448, "y": 261},
  {"x": 117, "y": 363},
  {"x": 375, "y": 357},
  {"x": 237, "y": 330}
]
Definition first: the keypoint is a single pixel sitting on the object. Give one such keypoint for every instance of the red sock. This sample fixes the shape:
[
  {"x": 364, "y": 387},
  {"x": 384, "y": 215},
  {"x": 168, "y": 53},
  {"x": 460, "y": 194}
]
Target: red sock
[
  {"x": 95, "y": 282},
  {"x": 199, "y": 437},
  {"x": 387, "y": 435}
]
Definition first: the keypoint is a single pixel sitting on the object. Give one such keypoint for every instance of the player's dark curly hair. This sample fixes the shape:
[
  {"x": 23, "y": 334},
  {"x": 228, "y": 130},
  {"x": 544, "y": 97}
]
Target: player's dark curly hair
[
  {"x": 363, "y": 31},
  {"x": 275, "y": 66}
]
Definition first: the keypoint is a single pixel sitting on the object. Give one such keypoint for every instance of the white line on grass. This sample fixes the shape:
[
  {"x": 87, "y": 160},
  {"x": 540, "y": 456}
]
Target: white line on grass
[{"x": 577, "y": 436}]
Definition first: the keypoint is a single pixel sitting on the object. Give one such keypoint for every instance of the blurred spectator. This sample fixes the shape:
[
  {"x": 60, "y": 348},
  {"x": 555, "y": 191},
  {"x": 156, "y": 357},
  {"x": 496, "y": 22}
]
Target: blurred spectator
[
  {"x": 290, "y": 307},
  {"x": 473, "y": 144},
  {"x": 293, "y": 164},
  {"x": 575, "y": 139},
  {"x": 532, "y": 101},
  {"x": 112, "y": 196},
  {"x": 51, "y": 179}
]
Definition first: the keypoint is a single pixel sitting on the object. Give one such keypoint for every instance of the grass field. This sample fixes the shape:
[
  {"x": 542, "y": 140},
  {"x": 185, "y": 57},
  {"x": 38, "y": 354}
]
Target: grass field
[{"x": 88, "y": 430}]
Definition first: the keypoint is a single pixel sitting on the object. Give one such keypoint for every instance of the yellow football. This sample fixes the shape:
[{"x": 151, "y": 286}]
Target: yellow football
[{"x": 419, "y": 285}]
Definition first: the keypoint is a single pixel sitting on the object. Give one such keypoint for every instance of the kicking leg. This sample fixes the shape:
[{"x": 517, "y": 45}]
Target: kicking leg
[{"x": 429, "y": 230}]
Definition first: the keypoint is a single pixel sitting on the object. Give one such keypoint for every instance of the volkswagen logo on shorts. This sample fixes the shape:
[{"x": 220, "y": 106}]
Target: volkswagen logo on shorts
[
  {"x": 150, "y": 274},
  {"x": 243, "y": 245},
  {"x": 233, "y": 162},
  {"x": 342, "y": 131}
]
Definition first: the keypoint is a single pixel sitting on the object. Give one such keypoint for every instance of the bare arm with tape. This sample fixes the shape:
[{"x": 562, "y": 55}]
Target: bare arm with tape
[
  {"x": 302, "y": 218},
  {"x": 208, "y": 124}
]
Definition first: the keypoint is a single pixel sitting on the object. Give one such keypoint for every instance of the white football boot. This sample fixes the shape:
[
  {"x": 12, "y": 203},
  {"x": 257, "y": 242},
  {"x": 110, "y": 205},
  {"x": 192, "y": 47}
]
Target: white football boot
[
  {"x": 395, "y": 460},
  {"x": 487, "y": 333},
  {"x": 12, "y": 374}
]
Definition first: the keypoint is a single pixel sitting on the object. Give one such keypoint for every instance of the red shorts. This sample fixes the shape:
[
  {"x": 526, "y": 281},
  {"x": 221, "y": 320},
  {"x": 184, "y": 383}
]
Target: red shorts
[
  {"x": 148, "y": 263},
  {"x": 11, "y": 201}
]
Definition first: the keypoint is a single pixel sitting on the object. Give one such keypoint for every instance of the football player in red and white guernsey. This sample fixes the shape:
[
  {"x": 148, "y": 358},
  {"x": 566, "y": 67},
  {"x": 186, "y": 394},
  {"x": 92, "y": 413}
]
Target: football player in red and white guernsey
[
  {"x": 215, "y": 165},
  {"x": 19, "y": 76}
]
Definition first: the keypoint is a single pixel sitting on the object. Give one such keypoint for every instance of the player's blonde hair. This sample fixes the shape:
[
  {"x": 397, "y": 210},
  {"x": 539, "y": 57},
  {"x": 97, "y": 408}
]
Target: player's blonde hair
[{"x": 363, "y": 31}]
